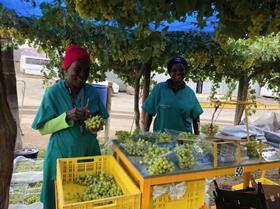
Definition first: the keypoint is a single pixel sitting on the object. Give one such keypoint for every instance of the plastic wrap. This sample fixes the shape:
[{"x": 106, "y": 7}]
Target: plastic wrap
[
  {"x": 177, "y": 191},
  {"x": 36, "y": 205},
  {"x": 159, "y": 190}
]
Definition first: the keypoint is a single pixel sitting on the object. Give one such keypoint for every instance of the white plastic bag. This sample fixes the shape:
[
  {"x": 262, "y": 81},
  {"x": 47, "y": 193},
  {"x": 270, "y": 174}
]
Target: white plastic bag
[
  {"x": 36, "y": 205},
  {"x": 27, "y": 177},
  {"x": 177, "y": 191},
  {"x": 159, "y": 190}
]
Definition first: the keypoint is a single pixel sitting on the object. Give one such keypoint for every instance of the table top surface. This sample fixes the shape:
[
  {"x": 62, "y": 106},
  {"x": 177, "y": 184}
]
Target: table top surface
[{"x": 200, "y": 166}]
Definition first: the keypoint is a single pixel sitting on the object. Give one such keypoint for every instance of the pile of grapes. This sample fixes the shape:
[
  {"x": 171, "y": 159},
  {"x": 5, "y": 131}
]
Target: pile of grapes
[
  {"x": 100, "y": 185},
  {"x": 185, "y": 135},
  {"x": 161, "y": 165},
  {"x": 123, "y": 136},
  {"x": 136, "y": 148},
  {"x": 94, "y": 124},
  {"x": 209, "y": 129},
  {"x": 32, "y": 199},
  {"x": 24, "y": 166},
  {"x": 185, "y": 156},
  {"x": 25, "y": 193},
  {"x": 153, "y": 153},
  {"x": 163, "y": 137},
  {"x": 206, "y": 147},
  {"x": 252, "y": 149}
]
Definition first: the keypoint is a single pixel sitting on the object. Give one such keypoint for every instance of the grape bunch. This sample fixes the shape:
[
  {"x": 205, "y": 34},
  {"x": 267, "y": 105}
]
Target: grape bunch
[
  {"x": 123, "y": 136},
  {"x": 94, "y": 124},
  {"x": 185, "y": 135},
  {"x": 137, "y": 148},
  {"x": 252, "y": 149},
  {"x": 206, "y": 147},
  {"x": 154, "y": 152},
  {"x": 161, "y": 165},
  {"x": 138, "y": 134},
  {"x": 209, "y": 129},
  {"x": 100, "y": 185},
  {"x": 163, "y": 137},
  {"x": 32, "y": 199},
  {"x": 185, "y": 156}
]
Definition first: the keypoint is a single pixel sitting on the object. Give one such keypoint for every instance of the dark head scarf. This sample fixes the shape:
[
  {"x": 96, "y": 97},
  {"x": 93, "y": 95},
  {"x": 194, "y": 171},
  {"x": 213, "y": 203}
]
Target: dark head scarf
[{"x": 175, "y": 60}]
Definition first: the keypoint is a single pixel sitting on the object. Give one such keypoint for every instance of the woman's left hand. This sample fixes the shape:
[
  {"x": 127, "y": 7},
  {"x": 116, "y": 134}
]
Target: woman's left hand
[{"x": 85, "y": 113}]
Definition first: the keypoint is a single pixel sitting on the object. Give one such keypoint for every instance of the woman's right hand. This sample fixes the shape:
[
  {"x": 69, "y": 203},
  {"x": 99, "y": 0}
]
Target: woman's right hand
[{"x": 74, "y": 114}]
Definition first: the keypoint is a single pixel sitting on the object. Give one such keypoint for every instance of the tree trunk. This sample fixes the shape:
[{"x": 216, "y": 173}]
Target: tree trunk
[
  {"x": 8, "y": 70},
  {"x": 241, "y": 96},
  {"x": 146, "y": 89},
  {"x": 139, "y": 73},
  {"x": 8, "y": 131},
  {"x": 199, "y": 86}
]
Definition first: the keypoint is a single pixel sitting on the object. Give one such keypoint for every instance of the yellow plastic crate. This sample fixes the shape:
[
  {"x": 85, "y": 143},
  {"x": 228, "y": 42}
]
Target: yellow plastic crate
[
  {"x": 262, "y": 180},
  {"x": 193, "y": 198},
  {"x": 70, "y": 168}
]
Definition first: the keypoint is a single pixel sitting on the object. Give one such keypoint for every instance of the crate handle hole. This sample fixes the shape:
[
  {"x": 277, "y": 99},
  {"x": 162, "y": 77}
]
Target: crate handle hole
[
  {"x": 85, "y": 160},
  {"x": 105, "y": 204}
]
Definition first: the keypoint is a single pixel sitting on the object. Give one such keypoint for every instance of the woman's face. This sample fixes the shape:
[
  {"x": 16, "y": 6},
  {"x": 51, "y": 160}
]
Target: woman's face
[
  {"x": 177, "y": 73},
  {"x": 77, "y": 73}
]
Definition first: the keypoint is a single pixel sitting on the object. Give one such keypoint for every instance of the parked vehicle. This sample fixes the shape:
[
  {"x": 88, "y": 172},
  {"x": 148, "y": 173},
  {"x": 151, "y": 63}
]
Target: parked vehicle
[
  {"x": 33, "y": 65},
  {"x": 266, "y": 92}
]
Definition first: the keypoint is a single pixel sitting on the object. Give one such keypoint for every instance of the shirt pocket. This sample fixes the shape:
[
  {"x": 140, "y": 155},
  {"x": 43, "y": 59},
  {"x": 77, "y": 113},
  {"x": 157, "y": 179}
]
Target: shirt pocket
[{"x": 164, "y": 107}]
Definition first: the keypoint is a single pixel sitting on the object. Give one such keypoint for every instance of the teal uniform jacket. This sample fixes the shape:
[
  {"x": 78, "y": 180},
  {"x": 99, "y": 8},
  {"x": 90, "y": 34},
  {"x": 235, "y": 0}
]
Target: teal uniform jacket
[
  {"x": 174, "y": 110},
  {"x": 66, "y": 142}
]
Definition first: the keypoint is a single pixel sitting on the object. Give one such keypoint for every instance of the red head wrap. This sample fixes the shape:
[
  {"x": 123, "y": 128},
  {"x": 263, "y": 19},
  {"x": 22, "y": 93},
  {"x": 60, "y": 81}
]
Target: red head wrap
[{"x": 74, "y": 53}]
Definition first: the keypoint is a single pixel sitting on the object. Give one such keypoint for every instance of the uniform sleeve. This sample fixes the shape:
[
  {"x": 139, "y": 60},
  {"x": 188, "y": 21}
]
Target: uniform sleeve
[
  {"x": 55, "y": 125},
  {"x": 46, "y": 111},
  {"x": 150, "y": 104},
  {"x": 197, "y": 109}
]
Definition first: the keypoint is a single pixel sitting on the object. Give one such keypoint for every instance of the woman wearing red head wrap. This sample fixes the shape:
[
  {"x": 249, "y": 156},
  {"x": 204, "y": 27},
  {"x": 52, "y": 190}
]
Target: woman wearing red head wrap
[{"x": 62, "y": 112}]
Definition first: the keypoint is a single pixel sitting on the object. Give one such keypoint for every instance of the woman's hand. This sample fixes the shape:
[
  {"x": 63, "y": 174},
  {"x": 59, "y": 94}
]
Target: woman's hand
[{"x": 74, "y": 114}]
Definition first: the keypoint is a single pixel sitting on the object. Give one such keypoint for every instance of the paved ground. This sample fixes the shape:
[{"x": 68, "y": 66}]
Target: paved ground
[{"x": 121, "y": 117}]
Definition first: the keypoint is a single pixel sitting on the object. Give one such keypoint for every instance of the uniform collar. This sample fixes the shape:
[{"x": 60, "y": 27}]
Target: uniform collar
[{"x": 170, "y": 85}]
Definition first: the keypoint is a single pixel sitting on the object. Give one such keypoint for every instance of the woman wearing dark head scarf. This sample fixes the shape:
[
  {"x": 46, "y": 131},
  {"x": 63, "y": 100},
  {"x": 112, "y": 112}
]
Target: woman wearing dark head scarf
[
  {"x": 62, "y": 112},
  {"x": 172, "y": 102}
]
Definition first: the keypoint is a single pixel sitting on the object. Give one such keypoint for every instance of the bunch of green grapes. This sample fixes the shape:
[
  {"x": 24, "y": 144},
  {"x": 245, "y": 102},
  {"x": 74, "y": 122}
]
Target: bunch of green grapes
[
  {"x": 206, "y": 147},
  {"x": 154, "y": 152},
  {"x": 23, "y": 166},
  {"x": 95, "y": 123},
  {"x": 32, "y": 198},
  {"x": 185, "y": 156},
  {"x": 123, "y": 136},
  {"x": 209, "y": 129},
  {"x": 100, "y": 185},
  {"x": 137, "y": 148},
  {"x": 15, "y": 198},
  {"x": 252, "y": 149},
  {"x": 161, "y": 165},
  {"x": 138, "y": 134},
  {"x": 163, "y": 137},
  {"x": 185, "y": 135}
]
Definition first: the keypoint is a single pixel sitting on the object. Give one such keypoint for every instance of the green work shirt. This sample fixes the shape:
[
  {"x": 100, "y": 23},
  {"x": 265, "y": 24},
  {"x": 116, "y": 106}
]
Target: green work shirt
[
  {"x": 173, "y": 110},
  {"x": 66, "y": 142}
]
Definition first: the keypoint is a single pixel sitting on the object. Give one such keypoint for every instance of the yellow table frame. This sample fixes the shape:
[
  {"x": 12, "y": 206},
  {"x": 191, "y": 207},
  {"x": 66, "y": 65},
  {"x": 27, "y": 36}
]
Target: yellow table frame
[{"x": 146, "y": 183}]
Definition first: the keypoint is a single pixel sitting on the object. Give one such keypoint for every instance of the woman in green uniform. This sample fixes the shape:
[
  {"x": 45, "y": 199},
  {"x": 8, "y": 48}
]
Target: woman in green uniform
[
  {"x": 62, "y": 112},
  {"x": 172, "y": 102}
]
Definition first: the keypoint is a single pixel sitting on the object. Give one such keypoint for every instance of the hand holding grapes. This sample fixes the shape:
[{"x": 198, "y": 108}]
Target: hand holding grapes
[{"x": 94, "y": 124}]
